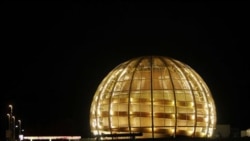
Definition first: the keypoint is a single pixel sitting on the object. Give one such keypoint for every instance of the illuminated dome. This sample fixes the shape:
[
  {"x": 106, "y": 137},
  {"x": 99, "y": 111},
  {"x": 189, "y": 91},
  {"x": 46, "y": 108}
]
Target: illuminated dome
[{"x": 154, "y": 95}]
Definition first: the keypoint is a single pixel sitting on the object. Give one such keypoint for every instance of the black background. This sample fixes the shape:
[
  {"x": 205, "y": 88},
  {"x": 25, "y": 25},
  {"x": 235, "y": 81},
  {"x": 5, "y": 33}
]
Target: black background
[{"x": 54, "y": 54}]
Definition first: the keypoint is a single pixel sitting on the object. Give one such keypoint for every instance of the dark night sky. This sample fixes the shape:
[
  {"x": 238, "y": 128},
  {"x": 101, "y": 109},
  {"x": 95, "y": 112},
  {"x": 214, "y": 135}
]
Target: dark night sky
[{"x": 55, "y": 54}]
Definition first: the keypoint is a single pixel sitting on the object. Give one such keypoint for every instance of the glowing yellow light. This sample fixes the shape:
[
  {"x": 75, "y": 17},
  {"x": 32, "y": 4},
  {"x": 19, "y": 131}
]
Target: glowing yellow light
[
  {"x": 111, "y": 113},
  {"x": 51, "y": 137},
  {"x": 155, "y": 95}
]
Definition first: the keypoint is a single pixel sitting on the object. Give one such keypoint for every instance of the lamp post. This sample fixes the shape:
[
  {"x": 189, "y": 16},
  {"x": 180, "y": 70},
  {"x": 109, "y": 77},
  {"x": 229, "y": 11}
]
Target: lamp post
[
  {"x": 10, "y": 118},
  {"x": 11, "y": 113},
  {"x": 13, "y": 128},
  {"x": 20, "y": 129},
  {"x": 8, "y": 132},
  {"x": 8, "y": 115},
  {"x": 11, "y": 108}
]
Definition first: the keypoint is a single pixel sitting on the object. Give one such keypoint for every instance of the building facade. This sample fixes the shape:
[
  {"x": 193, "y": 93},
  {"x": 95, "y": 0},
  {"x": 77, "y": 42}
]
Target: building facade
[{"x": 157, "y": 96}]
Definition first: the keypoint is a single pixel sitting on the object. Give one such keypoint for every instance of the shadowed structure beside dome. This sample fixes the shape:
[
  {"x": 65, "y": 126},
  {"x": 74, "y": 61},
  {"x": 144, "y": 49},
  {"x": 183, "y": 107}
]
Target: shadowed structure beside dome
[{"x": 154, "y": 95}]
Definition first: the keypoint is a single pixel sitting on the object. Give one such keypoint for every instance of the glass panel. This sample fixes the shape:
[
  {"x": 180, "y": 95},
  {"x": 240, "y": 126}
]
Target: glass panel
[
  {"x": 169, "y": 122},
  {"x": 123, "y": 107},
  {"x": 158, "y": 94},
  {"x": 202, "y": 111},
  {"x": 136, "y": 85},
  {"x": 134, "y": 107},
  {"x": 185, "y": 110},
  {"x": 157, "y": 73},
  {"x": 145, "y": 74},
  {"x": 114, "y": 107},
  {"x": 145, "y": 108},
  {"x": 146, "y": 95},
  {"x": 169, "y": 95},
  {"x": 137, "y": 75},
  {"x": 123, "y": 121},
  {"x": 169, "y": 109},
  {"x": 159, "y": 109},
  {"x": 125, "y": 85},
  {"x": 114, "y": 121},
  {"x": 146, "y": 84},
  {"x": 146, "y": 121},
  {"x": 135, "y": 121},
  {"x": 159, "y": 121},
  {"x": 189, "y": 97},
  {"x": 174, "y": 72},
  {"x": 165, "y": 74},
  {"x": 118, "y": 87},
  {"x": 181, "y": 122},
  {"x": 135, "y": 94},
  {"x": 105, "y": 121},
  {"x": 204, "y": 124},
  {"x": 126, "y": 76},
  {"x": 105, "y": 107},
  {"x": 180, "y": 84},
  {"x": 190, "y": 123},
  {"x": 167, "y": 84},
  {"x": 180, "y": 96},
  {"x": 157, "y": 84}
]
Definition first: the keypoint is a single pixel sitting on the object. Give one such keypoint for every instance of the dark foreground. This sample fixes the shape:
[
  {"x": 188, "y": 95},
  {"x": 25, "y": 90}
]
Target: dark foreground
[{"x": 174, "y": 139}]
